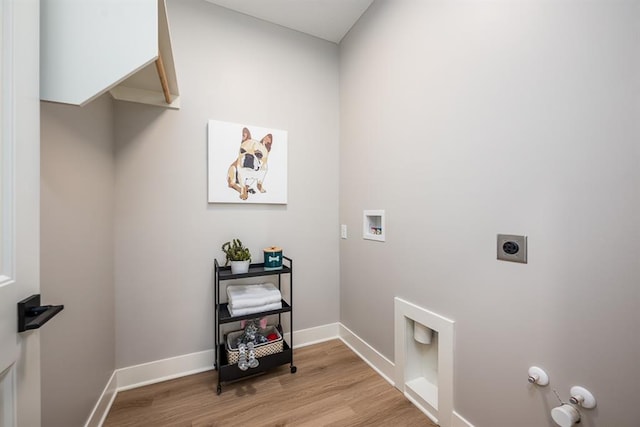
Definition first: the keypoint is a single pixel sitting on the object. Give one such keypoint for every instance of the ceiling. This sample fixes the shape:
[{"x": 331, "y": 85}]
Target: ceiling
[{"x": 326, "y": 19}]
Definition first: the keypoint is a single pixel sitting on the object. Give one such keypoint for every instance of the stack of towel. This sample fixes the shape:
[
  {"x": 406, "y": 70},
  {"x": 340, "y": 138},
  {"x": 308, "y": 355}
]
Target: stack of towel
[{"x": 248, "y": 299}]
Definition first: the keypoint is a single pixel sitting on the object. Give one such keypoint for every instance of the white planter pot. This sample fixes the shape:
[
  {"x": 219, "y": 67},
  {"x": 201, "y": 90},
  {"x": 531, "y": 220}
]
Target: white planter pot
[{"x": 239, "y": 267}]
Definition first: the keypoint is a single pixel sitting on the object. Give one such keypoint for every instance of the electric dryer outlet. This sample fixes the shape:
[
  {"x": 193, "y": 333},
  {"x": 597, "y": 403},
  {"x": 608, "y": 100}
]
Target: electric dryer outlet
[{"x": 512, "y": 248}]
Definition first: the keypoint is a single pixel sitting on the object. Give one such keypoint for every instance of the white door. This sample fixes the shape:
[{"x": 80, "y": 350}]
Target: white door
[{"x": 19, "y": 209}]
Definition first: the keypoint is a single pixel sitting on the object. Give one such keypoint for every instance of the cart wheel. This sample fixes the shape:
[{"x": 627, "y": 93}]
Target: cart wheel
[
  {"x": 219, "y": 389},
  {"x": 293, "y": 369}
]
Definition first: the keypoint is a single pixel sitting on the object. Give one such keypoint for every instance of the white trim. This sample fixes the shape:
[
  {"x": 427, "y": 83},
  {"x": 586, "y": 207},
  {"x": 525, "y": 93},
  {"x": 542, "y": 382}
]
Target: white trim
[
  {"x": 420, "y": 404},
  {"x": 175, "y": 367},
  {"x": 7, "y": 146},
  {"x": 315, "y": 335},
  {"x": 188, "y": 364},
  {"x": 145, "y": 374},
  {"x": 366, "y": 225},
  {"x": 8, "y": 394},
  {"x": 458, "y": 421},
  {"x": 370, "y": 355},
  {"x": 404, "y": 315},
  {"x": 163, "y": 370},
  {"x": 100, "y": 411}
]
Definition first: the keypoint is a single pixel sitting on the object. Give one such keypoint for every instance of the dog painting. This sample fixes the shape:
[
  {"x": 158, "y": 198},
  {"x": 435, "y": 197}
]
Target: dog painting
[
  {"x": 245, "y": 169},
  {"x": 247, "y": 172}
]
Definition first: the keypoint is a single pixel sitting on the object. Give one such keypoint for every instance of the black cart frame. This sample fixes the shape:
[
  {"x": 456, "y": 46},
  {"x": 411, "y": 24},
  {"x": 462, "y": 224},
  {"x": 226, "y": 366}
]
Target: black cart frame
[{"x": 230, "y": 372}]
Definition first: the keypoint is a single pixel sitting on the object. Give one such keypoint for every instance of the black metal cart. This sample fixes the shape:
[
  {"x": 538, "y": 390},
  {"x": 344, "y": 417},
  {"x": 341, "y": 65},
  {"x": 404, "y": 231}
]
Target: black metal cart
[{"x": 231, "y": 372}]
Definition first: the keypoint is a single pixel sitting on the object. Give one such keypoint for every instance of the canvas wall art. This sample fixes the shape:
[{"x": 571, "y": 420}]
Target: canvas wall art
[{"x": 247, "y": 164}]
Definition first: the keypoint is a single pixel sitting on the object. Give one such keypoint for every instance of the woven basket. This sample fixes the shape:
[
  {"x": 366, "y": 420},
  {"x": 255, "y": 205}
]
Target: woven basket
[{"x": 261, "y": 350}]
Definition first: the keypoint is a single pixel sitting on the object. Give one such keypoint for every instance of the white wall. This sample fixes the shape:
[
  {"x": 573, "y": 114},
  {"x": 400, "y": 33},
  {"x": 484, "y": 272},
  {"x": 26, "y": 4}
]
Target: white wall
[
  {"x": 464, "y": 119},
  {"x": 243, "y": 70},
  {"x": 77, "y": 199}
]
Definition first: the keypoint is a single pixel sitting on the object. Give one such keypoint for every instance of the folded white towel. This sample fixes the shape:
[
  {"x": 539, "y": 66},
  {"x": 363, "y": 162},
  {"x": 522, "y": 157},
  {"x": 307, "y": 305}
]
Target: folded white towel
[
  {"x": 250, "y": 310},
  {"x": 243, "y": 296}
]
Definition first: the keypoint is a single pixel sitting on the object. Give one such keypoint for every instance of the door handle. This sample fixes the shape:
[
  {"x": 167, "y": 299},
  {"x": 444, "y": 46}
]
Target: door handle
[{"x": 32, "y": 315}]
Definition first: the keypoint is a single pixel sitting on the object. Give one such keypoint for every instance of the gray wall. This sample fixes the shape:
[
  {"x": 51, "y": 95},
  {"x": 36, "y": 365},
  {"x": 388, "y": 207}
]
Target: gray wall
[
  {"x": 447, "y": 111},
  {"x": 465, "y": 119},
  {"x": 243, "y": 70},
  {"x": 77, "y": 199}
]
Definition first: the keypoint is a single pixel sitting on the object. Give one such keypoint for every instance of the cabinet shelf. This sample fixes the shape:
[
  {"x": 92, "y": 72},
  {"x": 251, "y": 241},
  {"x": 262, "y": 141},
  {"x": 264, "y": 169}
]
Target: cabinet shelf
[{"x": 231, "y": 372}]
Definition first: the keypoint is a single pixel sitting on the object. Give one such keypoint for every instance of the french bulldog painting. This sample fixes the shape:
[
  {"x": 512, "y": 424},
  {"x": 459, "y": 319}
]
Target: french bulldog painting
[
  {"x": 241, "y": 169},
  {"x": 247, "y": 172}
]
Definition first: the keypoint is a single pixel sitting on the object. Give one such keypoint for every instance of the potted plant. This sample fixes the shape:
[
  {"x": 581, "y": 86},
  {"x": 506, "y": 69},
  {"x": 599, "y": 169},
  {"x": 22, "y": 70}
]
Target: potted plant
[{"x": 238, "y": 255}]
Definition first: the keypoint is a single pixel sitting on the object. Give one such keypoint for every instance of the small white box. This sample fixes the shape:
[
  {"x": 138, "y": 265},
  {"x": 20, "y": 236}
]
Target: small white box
[{"x": 373, "y": 227}]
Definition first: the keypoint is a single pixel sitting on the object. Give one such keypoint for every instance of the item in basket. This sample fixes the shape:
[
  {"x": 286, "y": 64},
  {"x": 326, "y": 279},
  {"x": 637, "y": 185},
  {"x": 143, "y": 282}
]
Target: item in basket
[
  {"x": 261, "y": 350},
  {"x": 242, "y": 358},
  {"x": 251, "y": 333},
  {"x": 272, "y": 337},
  {"x": 253, "y": 362},
  {"x": 263, "y": 322}
]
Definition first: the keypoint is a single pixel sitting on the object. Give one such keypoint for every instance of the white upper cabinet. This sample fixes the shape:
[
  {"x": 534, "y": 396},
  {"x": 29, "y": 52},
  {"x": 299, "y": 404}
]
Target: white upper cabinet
[{"x": 89, "y": 47}]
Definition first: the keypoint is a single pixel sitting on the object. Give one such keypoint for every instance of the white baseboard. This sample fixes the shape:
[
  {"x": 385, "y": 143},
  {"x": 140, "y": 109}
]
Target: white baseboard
[
  {"x": 100, "y": 411},
  {"x": 318, "y": 334},
  {"x": 458, "y": 421},
  {"x": 180, "y": 366},
  {"x": 163, "y": 370},
  {"x": 386, "y": 369},
  {"x": 370, "y": 355},
  {"x": 188, "y": 364}
]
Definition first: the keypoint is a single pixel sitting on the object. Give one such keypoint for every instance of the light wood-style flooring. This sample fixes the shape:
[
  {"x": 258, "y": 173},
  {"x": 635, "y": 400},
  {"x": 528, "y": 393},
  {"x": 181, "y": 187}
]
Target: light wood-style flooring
[{"x": 333, "y": 387}]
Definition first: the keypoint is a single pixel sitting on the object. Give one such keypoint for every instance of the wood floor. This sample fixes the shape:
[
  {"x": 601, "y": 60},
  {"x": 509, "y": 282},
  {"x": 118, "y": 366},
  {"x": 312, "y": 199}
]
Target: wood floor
[{"x": 333, "y": 387}]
